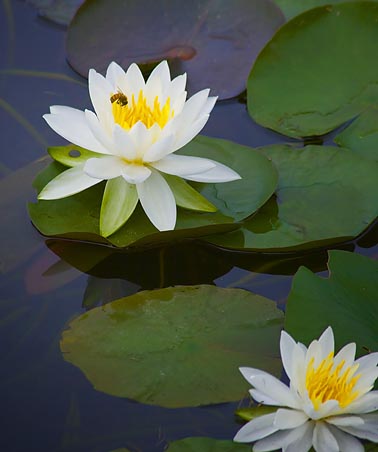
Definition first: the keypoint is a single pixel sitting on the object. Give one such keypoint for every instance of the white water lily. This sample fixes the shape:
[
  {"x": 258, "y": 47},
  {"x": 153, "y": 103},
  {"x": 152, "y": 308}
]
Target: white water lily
[
  {"x": 136, "y": 128},
  {"x": 329, "y": 402}
]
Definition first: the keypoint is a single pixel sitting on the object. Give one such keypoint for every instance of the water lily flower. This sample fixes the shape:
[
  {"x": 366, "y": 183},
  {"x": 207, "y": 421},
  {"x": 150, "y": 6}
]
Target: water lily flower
[
  {"x": 329, "y": 401},
  {"x": 136, "y": 128}
]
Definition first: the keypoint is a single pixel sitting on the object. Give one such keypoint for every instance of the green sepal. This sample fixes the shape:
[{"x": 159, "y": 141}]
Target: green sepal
[
  {"x": 247, "y": 414},
  {"x": 72, "y": 155},
  {"x": 186, "y": 196},
  {"x": 118, "y": 203}
]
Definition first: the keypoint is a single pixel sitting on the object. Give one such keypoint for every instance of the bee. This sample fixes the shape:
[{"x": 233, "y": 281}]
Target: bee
[{"x": 119, "y": 97}]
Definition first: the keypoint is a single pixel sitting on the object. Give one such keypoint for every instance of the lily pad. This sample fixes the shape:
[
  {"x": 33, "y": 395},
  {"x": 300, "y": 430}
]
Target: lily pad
[
  {"x": 247, "y": 414},
  {"x": 202, "y": 444},
  {"x": 77, "y": 216},
  {"x": 362, "y": 135},
  {"x": 318, "y": 71},
  {"x": 214, "y": 42},
  {"x": 346, "y": 300},
  {"x": 176, "y": 347},
  {"x": 325, "y": 195},
  {"x": 292, "y": 8},
  {"x": 58, "y": 11}
]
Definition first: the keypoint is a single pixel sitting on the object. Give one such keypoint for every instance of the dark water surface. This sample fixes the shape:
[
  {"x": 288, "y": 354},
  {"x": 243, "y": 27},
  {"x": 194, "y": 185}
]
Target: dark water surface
[{"x": 48, "y": 405}]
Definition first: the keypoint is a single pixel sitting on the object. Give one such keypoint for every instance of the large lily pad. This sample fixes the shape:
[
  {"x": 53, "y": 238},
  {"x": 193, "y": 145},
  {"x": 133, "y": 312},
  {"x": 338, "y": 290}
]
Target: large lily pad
[
  {"x": 77, "y": 216},
  {"x": 176, "y": 347},
  {"x": 324, "y": 195},
  {"x": 362, "y": 135},
  {"x": 202, "y": 444},
  {"x": 318, "y": 71},
  {"x": 347, "y": 301},
  {"x": 293, "y": 8},
  {"x": 214, "y": 42}
]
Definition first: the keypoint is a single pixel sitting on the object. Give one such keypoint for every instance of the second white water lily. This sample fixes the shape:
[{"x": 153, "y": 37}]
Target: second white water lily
[
  {"x": 328, "y": 403},
  {"x": 135, "y": 130}
]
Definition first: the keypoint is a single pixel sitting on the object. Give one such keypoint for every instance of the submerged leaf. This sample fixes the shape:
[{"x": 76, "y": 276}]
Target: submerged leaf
[
  {"x": 176, "y": 347},
  {"x": 216, "y": 43},
  {"x": 318, "y": 71},
  {"x": 247, "y": 414},
  {"x": 202, "y": 444}
]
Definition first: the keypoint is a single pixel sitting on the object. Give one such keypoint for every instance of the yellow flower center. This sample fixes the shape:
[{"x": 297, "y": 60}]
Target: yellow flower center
[
  {"x": 127, "y": 113},
  {"x": 328, "y": 382}
]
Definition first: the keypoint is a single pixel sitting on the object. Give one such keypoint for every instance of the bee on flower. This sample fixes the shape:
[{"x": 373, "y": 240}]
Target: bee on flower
[
  {"x": 328, "y": 403},
  {"x": 135, "y": 129}
]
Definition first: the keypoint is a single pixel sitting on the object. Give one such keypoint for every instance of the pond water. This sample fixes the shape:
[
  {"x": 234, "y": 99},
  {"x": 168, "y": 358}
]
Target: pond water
[{"x": 48, "y": 404}]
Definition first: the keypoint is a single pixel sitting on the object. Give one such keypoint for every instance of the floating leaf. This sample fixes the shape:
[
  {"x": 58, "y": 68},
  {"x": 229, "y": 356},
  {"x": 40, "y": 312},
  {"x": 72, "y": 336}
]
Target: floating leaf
[
  {"x": 362, "y": 135},
  {"x": 77, "y": 216},
  {"x": 214, "y": 42},
  {"x": 318, "y": 71},
  {"x": 293, "y": 8},
  {"x": 202, "y": 444},
  {"x": 324, "y": 195},
  {"x": 346, "y": 301},
  {"x": 176, "y": 347}
]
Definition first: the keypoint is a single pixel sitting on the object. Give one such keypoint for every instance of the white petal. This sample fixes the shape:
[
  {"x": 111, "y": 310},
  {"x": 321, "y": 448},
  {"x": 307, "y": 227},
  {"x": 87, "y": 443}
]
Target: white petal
[
  {"x": 250, "y": 372},
  {"x": 189, "y": 132},
  {"x": 98, "y": 131},
  {"x": 370, "y": 360},
  {"x": 159, "y": 149},
  {"x": 289, "y": 419},
  {"x": 221, "y": 173},
  {"x": 260, "y": 397},
  {"x": 295, "y": 440},
  {"x": 287, "y": 344},
  {"x": 114, "y": 74},
  {"x": 100, "y": 91},
  {"x": 193, "y": 107},
  {"x": 367, "y": 379},
  {"x": 178, "y": 104},
  {"x": 329, "y": 408},
  {"x": 298, "y": 372},
  {"x": 177, "y": 94},
  {"x": 123, "y": 143},
  {"x": 323, "y": 440},
  {"x": 327, "y": 342},
  {"x": 68, "y": 183},
  {"x": 256, "y": 429},
  {"x": 133, "y": 82},
  {"x": 365, "y": 404},
  {"x": 72, "y": 125},
  {"x": 346, "y": 442},
  {"x": 368, "y": 430},
  {"x": 181, "y": 165},
  {"x": 158, "y": 202},
  {"x": 347, "y": 353},
  {"x": 273, "y": 387},
  {"x": 158, "y": 82},
  {"x": 142, "y": 138},
  {"x": 345, "y": 421},
  {"x": 135, "y": 174},
  {"x": 209, "y": 105},
  {"x": 104, "y": 168}
]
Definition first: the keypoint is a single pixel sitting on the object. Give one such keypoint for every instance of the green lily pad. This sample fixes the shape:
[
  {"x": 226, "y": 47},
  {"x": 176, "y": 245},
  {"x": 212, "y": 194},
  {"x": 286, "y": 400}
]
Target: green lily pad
[
  {"x": 346, "y": 301},
  {"x": 247, "y": 414},
  {"x": 176, "y": 347},
  {"x": 292, "y": 8},
  {"x": 325, "y": 195},
  {"x": 77, "y": 216},
  {"x": 318, "y": 71},
  {"x": 214, "y": 42},
  {"x": 362, "y": 135},
  {"x": 202, "y": 444}
]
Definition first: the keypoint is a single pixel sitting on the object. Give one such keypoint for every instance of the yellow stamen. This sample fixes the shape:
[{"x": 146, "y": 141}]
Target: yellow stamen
[
  {"x": 328, "y": 382},
  {"x": 126, "y": 115}
]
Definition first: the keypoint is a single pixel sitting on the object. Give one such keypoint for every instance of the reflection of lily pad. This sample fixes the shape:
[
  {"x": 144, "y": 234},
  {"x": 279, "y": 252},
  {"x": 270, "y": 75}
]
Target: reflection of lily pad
[
  {"x": 78, "y": 216},
  {"x": 347, "y": 301},
  {"x": 176, "y": 347},
  {"x": 206, "y": 445},
  {"x": 214, "y": 42},
  {"x": 318, "y": 71},
  {"x": 324, "y": 195},
  {"x": 292, "y": 8},
  {"x": 362, "y": 135}
]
